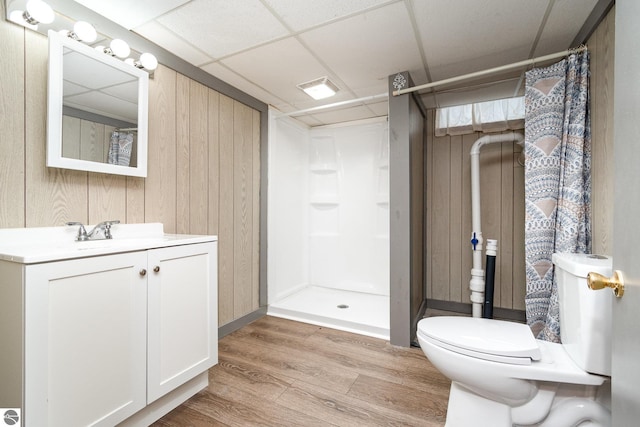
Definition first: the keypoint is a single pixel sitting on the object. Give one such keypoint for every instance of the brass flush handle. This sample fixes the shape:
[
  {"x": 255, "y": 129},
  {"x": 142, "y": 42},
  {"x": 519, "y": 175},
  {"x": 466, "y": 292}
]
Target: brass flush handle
[{"x": 598, "y": 281}]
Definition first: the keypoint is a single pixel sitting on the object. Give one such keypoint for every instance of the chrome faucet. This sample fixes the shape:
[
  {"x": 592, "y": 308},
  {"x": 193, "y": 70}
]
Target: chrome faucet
[{"x": 102, "y": 229}]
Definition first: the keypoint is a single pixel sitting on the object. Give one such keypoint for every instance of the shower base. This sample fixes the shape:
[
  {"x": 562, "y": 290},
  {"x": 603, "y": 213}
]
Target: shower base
[{"x": 361, "y": 313}]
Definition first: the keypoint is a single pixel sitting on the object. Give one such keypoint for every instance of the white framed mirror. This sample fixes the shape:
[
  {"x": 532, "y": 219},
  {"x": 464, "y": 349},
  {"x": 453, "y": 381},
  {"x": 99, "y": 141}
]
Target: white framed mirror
[{"x": 97, "y": 111}]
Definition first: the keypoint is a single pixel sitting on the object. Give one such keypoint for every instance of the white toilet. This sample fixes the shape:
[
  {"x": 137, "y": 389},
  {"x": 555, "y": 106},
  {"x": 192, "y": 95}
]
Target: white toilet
[{"x": 502, "y": 376}]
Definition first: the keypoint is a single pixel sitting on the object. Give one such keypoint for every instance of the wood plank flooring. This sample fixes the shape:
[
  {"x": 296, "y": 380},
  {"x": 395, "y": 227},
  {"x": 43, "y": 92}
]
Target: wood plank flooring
[{"x": 277, "y": 372}]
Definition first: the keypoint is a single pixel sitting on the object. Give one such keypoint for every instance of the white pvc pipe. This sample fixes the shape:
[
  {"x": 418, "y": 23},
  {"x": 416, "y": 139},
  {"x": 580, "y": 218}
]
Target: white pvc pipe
[{"x": 476, "y": 285}]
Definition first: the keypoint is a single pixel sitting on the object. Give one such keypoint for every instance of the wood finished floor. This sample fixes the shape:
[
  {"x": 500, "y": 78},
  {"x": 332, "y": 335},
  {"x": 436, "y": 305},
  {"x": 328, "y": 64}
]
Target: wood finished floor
[{"x": 277, "y": 372}]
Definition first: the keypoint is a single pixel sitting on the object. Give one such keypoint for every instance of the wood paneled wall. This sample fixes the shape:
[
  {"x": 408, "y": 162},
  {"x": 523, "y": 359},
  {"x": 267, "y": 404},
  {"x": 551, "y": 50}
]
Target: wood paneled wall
[
  {"x": 449, "y": 223},
  {"x": 203, "y": 167},
  {"x": 502, "y": 188},
  {"x": 601, "y": 46}
]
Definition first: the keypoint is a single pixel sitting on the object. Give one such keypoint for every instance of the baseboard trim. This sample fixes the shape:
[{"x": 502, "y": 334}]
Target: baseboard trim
[{"x": 234, "y": 325}]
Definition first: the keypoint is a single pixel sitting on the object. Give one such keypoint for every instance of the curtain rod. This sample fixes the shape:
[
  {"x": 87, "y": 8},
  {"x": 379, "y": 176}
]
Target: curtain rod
[
  {"x": 526, "y": 62},
  {"x": 336, "y": 104}
]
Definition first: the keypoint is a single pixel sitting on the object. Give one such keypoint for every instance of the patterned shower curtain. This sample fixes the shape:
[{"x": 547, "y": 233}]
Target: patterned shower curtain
[
  {"x": 120, "y": 146},
  {"x": 557, "y": 181}
]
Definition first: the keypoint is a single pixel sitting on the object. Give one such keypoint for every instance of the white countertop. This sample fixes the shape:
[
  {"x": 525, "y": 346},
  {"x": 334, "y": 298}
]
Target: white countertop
[{"x": 45, "y": 244}]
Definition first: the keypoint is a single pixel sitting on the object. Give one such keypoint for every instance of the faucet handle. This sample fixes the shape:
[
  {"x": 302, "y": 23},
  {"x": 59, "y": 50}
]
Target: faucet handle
[
  {"x": 106, "y": 225},
  {"x": 82, "y": 233}
]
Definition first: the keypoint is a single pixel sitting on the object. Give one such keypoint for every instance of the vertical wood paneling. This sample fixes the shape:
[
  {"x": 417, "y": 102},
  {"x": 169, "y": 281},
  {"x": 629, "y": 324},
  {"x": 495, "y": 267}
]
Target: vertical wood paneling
[
  {"x": 91, "y": 141},
  {"x": 504, "y": 298},
  {"x": 226, "y": 215},
  {"x": 601, "y": 45},
  {"x": 429, "y": 201},
  {"x": 107, "y": 197},
  {"x": 243, "y": 208},
  {"x": 198, "y": 158},
  {"x": 255, "y": 244},
  {"x": 440, "y": 218},
  {"x": 53, "y": 196},
  {"x": 182, "y": 154},
  {"x": 214, "y": 161},
  {"x": 455, "y": 221},
  {"x": 519, "y": 272},
  {"x": 160, "y": 199},
  {"x": 71, "y": 137},
  {"x": 12, "y": 124},
  {"x": 135, "y": 200}
]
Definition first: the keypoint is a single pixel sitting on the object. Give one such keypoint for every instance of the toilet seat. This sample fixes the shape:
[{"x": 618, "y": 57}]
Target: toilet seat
[{"x": 487, "y": 339}]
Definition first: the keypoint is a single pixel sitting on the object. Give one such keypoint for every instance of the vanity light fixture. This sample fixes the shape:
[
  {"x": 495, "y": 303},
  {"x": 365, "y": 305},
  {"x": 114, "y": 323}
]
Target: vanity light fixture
[
  {"x": 147, "y": 62},
  {"x": 83, "y": 31},
  {"x": 119, "y": 48},
  {"x": 319, "y": 88},
  {"x": 31, "y": 13}
]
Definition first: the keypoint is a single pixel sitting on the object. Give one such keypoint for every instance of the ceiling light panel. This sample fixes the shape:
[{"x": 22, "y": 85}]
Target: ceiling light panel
[{"x": 319, "y": 88}]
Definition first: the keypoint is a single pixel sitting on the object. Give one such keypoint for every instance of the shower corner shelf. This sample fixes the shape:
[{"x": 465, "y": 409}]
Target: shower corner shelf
[
  {"x": 382, "y": 199},
  {"x": 323, "y": 167},
  {"x": 324, "y": 201}
]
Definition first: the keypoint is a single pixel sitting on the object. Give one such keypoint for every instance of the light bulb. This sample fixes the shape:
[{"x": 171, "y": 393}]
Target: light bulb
[
  {"x": 101, "y": 49},
  {"x": 148, "y": 61},
  {"x": 38, "y": 12},
  {"x": 130, "y": 61},
  {"x": 85, "y": 31},
  {"x": 120, "y": 48}
]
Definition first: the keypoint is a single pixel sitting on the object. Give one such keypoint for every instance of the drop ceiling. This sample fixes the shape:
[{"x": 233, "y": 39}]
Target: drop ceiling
[{"x": 266, "y": 47}]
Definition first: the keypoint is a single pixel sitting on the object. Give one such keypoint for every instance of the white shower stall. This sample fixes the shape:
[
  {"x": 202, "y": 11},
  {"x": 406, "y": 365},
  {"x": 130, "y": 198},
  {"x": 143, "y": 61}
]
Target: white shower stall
[{"x": 328, "y": 224}]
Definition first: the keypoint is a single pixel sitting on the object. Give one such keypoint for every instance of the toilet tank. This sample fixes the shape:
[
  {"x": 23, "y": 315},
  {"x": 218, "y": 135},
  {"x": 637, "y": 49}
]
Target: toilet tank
[{"x": 585, "y": 314}]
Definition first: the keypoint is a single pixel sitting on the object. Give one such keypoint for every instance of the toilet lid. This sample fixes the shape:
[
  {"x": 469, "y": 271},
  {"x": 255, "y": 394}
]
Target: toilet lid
[{"x": 490, "y": 339}]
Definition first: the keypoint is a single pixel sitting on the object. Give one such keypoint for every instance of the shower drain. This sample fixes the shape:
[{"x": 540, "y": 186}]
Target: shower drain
[{"x": 343, "y": 306}]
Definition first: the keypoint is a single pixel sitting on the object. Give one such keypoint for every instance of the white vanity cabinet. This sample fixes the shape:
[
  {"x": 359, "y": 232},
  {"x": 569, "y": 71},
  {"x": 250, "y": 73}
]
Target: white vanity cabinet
[
  {"x": 122, "y": 337},
  {"x": 85, "y": 340},
  {"x": 182, "y": 338}
]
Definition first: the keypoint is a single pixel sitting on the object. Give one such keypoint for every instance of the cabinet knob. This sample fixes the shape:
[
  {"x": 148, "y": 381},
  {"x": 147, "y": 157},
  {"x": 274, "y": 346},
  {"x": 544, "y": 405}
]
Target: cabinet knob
[
  {"x": 143, "y": 272},
  {"x": 156, "y": 268}
]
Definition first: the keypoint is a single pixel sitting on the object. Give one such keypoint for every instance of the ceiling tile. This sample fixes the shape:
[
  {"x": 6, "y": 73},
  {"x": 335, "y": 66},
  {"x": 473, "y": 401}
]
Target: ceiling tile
[
  {"x": 476, "y": 34},
  {"x": 565, "y": 20},
  {"x": 300, "y": 15},
  {"x": 131, "y": 14},
  {"x": 283, "y": 65},
  {"x": 167, "y": 39},
  {"x": 362, "y": 53},
  {"x": 239, "y": 82},
  {"x": 222, "y": 27}
]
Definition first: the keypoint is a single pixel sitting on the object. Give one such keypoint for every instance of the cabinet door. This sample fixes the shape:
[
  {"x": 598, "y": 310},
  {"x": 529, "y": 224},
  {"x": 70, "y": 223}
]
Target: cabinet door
[
  {"x": 183, "y": 315},
  {"x": 85, "y": 340}
]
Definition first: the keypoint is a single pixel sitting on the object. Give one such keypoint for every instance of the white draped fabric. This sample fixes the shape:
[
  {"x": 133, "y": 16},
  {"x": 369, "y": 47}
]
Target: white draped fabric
[{"x": 489, "y": 116}]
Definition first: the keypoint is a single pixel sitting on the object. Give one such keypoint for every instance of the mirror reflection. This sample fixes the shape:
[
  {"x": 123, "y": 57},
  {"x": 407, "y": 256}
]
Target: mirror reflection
[
  {"x": 99, "y": 111},
  {"x": 97, "y": 114}
]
